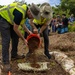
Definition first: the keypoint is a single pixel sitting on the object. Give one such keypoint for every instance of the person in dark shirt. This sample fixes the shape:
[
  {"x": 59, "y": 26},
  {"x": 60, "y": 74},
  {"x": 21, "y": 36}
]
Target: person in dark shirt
[
  {"x": 65, "y": 22},
  {"x": 11, "y": 16}
]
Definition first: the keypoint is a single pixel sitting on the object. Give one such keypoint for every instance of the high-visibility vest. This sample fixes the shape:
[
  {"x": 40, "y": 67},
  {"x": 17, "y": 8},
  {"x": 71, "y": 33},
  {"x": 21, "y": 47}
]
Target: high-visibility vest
[
  {"x": 40, "y": 21},
  {"x": 7, "y": 12}
]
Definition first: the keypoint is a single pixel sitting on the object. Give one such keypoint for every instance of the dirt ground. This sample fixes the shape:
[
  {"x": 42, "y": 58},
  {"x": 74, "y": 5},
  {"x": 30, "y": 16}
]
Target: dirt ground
[{"x": 63, "y": 42}]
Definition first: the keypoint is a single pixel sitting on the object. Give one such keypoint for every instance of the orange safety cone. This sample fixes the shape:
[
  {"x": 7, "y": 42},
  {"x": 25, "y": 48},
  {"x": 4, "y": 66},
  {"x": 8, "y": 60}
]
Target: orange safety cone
[{"x": 9, "y": 73}]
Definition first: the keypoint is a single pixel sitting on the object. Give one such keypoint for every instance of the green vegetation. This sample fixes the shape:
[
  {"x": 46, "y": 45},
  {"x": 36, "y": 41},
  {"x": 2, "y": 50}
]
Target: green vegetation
[
  {"x": 71, "y": 27},
  {"x": 66, "y": 6}
]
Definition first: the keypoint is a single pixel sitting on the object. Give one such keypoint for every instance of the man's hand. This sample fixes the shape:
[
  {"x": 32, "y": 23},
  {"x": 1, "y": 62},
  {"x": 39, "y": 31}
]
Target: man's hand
[
  {"x": 38, "y": 35},
  {"x": 35, "y": 31}
]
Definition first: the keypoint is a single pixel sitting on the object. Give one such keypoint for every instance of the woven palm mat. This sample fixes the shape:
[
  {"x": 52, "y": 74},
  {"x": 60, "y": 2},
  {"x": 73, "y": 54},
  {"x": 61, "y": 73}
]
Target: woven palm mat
[{"x": 41, "y": 66}]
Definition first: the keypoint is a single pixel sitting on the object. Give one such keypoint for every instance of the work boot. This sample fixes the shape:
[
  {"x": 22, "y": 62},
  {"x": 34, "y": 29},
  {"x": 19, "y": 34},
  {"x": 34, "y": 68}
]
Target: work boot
[
  {"x": 17, "y": 57},
  {"x": 47, "y": 54},
  {"x": 6, "y": 68}
]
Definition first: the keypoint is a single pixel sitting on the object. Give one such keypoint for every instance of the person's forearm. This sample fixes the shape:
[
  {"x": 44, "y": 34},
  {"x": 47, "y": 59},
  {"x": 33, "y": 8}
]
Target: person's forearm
[
  {"x": 43, "y": 28},
  {"x": 32, "y": 24},
  {"x": 26, "y": 29}
]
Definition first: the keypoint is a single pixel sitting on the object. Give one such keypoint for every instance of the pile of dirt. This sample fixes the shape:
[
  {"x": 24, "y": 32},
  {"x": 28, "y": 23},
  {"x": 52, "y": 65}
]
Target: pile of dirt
[
  {"x": 57, "y": 41},
  {"x": 64, "y": 42}
]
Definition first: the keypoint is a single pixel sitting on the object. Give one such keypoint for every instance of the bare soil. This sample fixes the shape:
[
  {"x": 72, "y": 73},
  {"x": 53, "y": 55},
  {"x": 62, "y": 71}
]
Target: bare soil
[{"x": 63, "y": 42}]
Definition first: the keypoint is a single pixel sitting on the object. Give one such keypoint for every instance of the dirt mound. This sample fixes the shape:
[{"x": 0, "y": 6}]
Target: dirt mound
[
  {"x": 57, "y": 41},
  {"x": 63, "y": 42}
]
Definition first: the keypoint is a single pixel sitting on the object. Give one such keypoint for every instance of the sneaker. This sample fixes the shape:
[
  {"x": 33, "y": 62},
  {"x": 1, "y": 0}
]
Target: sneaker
[
  {"x": 48, "y": 55},
  {"x": 17, "y": 57},
  {"x": 6, "y": 68}
]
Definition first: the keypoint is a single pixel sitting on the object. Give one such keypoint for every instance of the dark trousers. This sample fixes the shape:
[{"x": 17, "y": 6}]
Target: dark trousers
[
  {"x": 7, "y": 32},
  {"x": 46, "y": 38}
]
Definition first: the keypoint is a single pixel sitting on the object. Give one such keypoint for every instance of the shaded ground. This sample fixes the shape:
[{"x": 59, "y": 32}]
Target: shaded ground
[{"x": 64, "y": 42}]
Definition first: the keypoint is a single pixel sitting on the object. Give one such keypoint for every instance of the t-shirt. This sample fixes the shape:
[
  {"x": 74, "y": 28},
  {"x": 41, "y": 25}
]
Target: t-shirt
[
  {"x": 17, "y": 16},
  {"x": 65, "y": 21}
]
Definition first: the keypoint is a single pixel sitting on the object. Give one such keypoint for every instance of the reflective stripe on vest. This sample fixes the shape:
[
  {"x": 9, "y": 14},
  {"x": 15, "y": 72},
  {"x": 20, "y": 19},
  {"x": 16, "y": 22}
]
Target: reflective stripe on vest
[
  {"x": 18, "y": 7},
  {"x": 8, "y": 7}
]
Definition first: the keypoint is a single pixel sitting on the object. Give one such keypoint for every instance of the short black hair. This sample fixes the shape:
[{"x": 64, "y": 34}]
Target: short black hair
[
  {"x": 58, "y": 16},
  {"x": 64, "y": 14}
]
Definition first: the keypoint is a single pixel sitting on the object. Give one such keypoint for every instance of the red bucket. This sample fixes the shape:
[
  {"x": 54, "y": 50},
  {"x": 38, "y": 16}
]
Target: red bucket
[{"x": 34, "y": 37}]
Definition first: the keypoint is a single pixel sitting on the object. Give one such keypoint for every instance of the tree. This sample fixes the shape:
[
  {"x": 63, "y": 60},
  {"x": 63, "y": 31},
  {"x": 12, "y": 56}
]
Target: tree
[
  {"x": 65, "y": 6},
  {"x": 1, "y": 6},
  {"x": 68, "y": 4}
]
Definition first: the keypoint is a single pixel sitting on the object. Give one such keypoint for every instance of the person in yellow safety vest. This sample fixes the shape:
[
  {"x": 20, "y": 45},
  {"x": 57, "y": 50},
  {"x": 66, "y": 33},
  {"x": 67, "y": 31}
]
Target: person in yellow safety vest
[
  {"x": 42, "y": 23},
  {"x": 11, "y": 16}
]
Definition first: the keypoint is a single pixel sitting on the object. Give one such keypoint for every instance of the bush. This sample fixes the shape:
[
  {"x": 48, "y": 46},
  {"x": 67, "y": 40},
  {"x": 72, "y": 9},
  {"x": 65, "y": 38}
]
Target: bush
[{"x": 71, "y": 28}]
